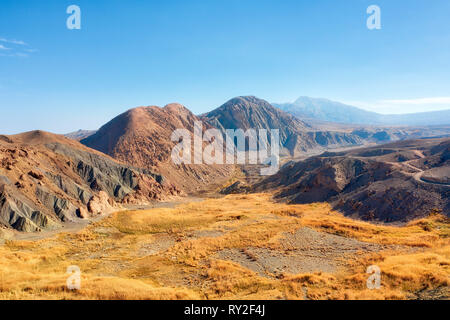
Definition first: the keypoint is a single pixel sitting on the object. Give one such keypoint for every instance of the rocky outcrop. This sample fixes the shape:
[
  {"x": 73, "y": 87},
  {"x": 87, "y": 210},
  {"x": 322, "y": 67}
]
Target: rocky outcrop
[
  {"x": 18, "y": 212},
  {"x": 236, "y": 188},
  {"x": 100, "y": 204}
]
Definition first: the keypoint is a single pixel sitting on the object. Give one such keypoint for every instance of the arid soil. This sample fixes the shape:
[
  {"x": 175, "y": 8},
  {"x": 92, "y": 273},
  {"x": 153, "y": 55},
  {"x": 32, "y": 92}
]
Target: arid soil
[{"x": 305, "y": 251}]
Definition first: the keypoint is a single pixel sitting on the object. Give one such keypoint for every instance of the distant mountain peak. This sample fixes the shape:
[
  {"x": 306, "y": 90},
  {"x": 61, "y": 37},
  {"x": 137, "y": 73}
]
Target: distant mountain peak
[
  {"x": 80, "y": 134},
  {"x": 331, "y": 111}
]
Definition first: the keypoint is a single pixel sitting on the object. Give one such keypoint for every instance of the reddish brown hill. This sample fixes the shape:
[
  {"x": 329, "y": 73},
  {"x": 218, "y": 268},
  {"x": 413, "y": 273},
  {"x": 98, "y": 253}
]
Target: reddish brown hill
[
  {"x": 42, "y": 138},
  {"x": 142, "y": 137}
]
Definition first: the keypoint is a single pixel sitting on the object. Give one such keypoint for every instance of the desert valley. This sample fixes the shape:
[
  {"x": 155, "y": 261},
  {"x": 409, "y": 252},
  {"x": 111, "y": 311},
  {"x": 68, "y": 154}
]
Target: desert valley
[{"x": 353, "y": 190}]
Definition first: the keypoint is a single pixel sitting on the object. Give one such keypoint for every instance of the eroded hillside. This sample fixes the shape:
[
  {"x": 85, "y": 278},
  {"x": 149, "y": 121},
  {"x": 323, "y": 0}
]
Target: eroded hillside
[{"x": 46, "y": 180}]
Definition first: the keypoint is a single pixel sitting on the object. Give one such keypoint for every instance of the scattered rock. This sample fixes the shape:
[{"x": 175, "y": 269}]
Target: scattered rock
[
  {"x": 235, "y": 188},
  {"x": 100, "y": 204},
  {"x": 36, "y": 175},
  {"x": 82, "y": 213}
]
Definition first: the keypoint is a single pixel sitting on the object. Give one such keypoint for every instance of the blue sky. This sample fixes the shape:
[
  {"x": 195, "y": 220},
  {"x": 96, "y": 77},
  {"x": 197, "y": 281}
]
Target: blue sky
[{"x": 202, "y": 53}]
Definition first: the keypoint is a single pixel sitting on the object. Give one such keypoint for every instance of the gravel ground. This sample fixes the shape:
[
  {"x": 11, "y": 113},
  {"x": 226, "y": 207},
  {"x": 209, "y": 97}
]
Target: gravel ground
[{"x": 302, "y": 252}]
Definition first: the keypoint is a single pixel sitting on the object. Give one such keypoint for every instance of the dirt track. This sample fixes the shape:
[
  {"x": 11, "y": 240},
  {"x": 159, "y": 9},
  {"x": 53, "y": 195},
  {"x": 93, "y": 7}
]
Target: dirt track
[{"x": 417, "y": 175}]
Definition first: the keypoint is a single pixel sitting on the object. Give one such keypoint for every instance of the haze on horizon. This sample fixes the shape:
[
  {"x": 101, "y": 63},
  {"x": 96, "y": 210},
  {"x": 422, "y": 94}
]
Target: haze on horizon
[{"x": 131, "y": 53}]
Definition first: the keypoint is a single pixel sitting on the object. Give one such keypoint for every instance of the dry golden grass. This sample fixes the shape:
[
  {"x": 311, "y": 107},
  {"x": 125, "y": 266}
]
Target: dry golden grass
[{"x": 169, "y": 253}]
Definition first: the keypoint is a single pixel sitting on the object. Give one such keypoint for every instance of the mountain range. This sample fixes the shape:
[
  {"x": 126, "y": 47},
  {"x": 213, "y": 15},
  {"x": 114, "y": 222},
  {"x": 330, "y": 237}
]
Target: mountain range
[
  {"x": 297, "y": 137},
  {"x": 301, "y": 137},
  {"x": 326, "y": 110},
  {"x": 48, "y": 180}
]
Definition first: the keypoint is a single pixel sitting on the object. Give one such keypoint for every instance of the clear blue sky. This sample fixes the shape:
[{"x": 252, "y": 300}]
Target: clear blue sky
[{"x": 202, "y": 53}]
